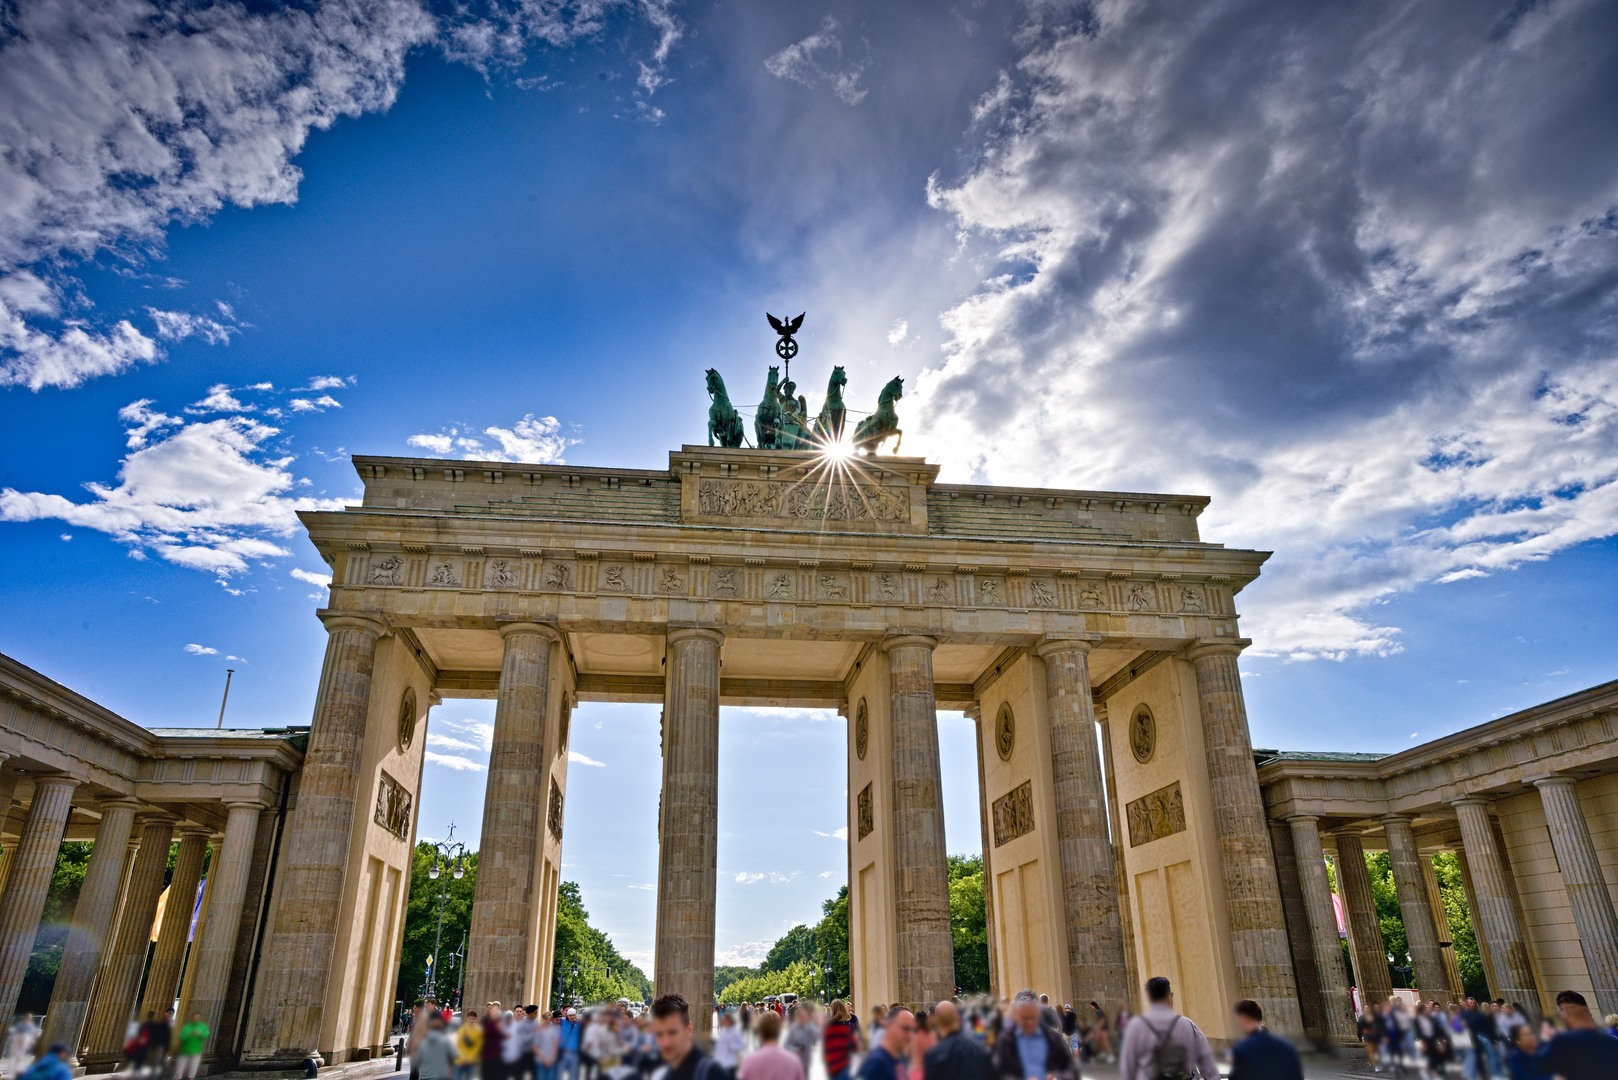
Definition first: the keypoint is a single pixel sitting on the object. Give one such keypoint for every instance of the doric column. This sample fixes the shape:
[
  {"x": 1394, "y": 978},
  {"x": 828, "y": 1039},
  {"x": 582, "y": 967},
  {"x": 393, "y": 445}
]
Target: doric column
[
  {"x": 1496, "y": 909},
  {"x": 1338, "y": 1004},
  {"x": 688, "y": 823},
  {"x": 1586, "y": 886},
  {"x": 168, "y": 956},
  {"x": 1095, "y": 948},
  {"x": 513, "y": 813},
  {"x": 1364, "y": 931},
  {"x": 926, "y": 955},
  {"x": 1421, "y": 935},
  {"x": 1258, "y": 933},
  {"x": 1126, "y": 918},
  {"x": 92, "y": 920},
  {"x": 215, "y": 949},
  {"x": 114, "y": 997},
  {"x": 29, "y": 880},
  {"x": 1478, "y": 935},
  {"x": 290, "y": 1000},
  {"x": 1446, "y": 941},
  {"x": 1299, "y": 937},
  {"x": 975, "y": 714}
]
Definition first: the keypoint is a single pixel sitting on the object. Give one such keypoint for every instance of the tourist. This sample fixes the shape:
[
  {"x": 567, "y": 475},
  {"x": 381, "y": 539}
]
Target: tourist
[
  {"x": 547, "y": 1046},
  {"x": 838, "y": 1041},
  {"x": 434, "y": 1058},
  {"x": 1160, "y": 1038},
  {"x": 20, "y": 1043},
  {"x": 571, "y": 1036},
  {"x": 494, "y": 1035},
  {"x": 468, "y": 1046},
  {"x": 1032, "y": 1049},
  {"x": 52, "y": 1065},
  {"x": 1461, "y": 1044},
  {"x": 729, "y": 1044},
  {"x": 1583, "y": 1051},
  {"x": 883, "y": 1061},
  {"x": 1099, "y": 1036},
  {"x": 1612, "y": 1024},
  {"x": 923, "y": 1039},
  {"x": 804, "y": 1034},
  {"x": 1260, "y": 1055},
  {"x": 1520, "y": 1063},
  {"x": 879, "y": 1017},
  {"x": 683, "y": 1059},
  {"x": 770, "y": 1061},
  {"x": 420, "y": 1011},
  {"x": 955, "y": 1056},
  {"x": 193, "y": 1040}
]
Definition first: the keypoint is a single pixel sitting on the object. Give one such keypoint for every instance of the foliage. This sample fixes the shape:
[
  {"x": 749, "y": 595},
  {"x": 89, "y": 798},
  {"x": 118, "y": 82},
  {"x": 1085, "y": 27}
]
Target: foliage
[
  {"x": 1380, "y": 868},
  {"x": 797, "y": 978},
  {"x": 421, "y": 923},
  {"x": 603, "y": 973},
  {"x": 831, "y": 941},
  {"x": 66, "y": 880},
  {"x": 1447, "y": 868},
  {"x": 725, "y": 974},
  {"x": 797, "y": 944},
  {"x": 967, "y": 923}
]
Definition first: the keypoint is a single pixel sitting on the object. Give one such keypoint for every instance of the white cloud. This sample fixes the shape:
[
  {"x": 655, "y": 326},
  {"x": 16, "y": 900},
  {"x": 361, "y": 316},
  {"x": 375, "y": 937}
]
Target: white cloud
[
  {"x": 481, "y": 732},
  {"x": 818, "y": 60},
  {"x": 1362, "y": 297},
  {"x": 205, "y": 496},
  {"x": 747, "y": 954},
  {"x": 576, "y": 758},
  {"x": 528, "y": 440},
  {"x": 38, "y": 360},
  {"x": 454, "y": 761},
  {"x": 827, "y": 873},
  {"x": 900, "y": 331},
  {"x": 438, "y": 444},
  {"x": 178, "y": 325},
  {"x": 201, "y": 650},
  {"x": 327, "y": 382},
  {"x": 449, "y": 742},
  {"x": 322, "y": 580},
  {"x": 839, "y": 834},
  {"x": 324, "y": 401},
  {"x": 774, "y": 878},
  {"x": 220, "y": 399}
]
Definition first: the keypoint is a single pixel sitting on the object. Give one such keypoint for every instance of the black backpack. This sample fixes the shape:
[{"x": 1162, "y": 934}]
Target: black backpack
[{"x": 1170, "y": 1061}]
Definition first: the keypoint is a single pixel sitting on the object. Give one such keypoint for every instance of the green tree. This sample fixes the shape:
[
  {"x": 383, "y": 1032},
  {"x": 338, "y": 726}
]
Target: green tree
[
  {"x": 66, "y": 880},
  {"x": 796, "y": 945},
  {"x": 797, "y": 978},
  {"x": 421, "y": 923},
  {"x": 1451, "y": 890},
  {"x": 603, "y": 973},
  {"x": 968, "y": 925},
  {"x": 831, "y": 941},
  {"x": 725, "y": 974}
]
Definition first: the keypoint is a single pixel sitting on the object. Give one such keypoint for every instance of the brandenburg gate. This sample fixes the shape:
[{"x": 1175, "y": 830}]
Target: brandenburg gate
[{"x": 788, "y": 578}]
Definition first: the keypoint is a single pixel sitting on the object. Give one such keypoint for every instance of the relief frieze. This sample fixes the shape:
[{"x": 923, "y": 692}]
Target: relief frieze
[
  {"x": 806, "y": 501},
  {"x": 1156, "y": 815},
  {"x": 1014, "y": 814}
]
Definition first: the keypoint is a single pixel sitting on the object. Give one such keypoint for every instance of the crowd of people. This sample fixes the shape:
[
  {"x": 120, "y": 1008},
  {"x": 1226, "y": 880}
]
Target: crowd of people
[{"x": 1487, "y": 1040}]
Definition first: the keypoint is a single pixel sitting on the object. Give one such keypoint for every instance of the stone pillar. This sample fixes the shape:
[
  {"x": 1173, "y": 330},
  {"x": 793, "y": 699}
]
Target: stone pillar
[
  {"x": 1421, "y": 935},
  {"x": 1338, "y": 1005},
  {"x": 1258, "y": 933},
  {"x": 1586, "y": 886},
  {"x": 290, "y": 1000},
  {"x": 114, "y": 997},
  {"x": 513, "y": 814},
  {"x": 688, "y": 822},
  {"x": 29, "y": 880},
  {"x": 1095, "y": 946},
  {"x": 1364, "y": 930},
  {"x": 87, "y": 937},
  {"x": 1126, "y": 917},
  {"x": 1300, "y": 937},
  {"x": 1495, "y": 907},
  {"x": 1446, "y": 937},
  {"x": 1478, "y": 935},
  {"x": 214, "y": 952},
  {"x": 926, "y": 954},
  {"x": 975, "y": 713},
  {"x": 168, "y": 955}
]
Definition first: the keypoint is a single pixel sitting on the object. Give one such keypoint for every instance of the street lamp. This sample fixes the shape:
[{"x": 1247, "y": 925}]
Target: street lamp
[{"x": 451, "y": 854}]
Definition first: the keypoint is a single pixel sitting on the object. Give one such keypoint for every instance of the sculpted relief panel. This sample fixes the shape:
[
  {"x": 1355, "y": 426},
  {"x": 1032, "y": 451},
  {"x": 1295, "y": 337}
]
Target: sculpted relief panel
[
  {"x": 1154, "y": 816},
  {"x": 1014, "y": 814},
  {"x": 813, "y": 501}
]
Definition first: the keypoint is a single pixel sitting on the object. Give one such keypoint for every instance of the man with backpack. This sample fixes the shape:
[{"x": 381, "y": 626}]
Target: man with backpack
[{"x": 1160, "y": 1044}]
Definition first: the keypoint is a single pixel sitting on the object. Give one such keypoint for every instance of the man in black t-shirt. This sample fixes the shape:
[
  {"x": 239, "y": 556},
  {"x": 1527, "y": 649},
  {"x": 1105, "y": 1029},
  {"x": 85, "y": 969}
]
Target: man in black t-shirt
[
  {"x": 1583, "y": 1051},
  {"x": 683, "y": 1059}
]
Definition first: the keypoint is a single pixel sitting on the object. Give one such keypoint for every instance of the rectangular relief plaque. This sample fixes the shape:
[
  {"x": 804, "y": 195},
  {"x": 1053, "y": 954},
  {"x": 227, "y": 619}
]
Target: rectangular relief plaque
[
  {"x": 393, "y": 807},
  {"x": 867, "y": 818},
  {"x": 1014, "y": 813},
  {"x": 1156, "y": 815}
]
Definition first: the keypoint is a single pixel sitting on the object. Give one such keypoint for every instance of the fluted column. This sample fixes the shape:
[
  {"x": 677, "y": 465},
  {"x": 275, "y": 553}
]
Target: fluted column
[
  {"x": 92, "y": 920},
  {"x": 1337, "y": 1003},
  {"x": 1421, "y": 935},
  {"x": 1482, "y": 939},
  {"x": 1095, "y": 948},
  {"x": 1364, "y": 930},
  {"x": 1126, "y": 918},
  {"x": 114, "y": 997},
  {"x": 513, "y": 814},
  {"x": 1495, "y": 906},
  {"x": 168, "y": 956},
  {"x": 8, "y": 787},
  {"x": 1299, "y": 937},
  {"x": 1585, "y": 884},
  {"x": 29, "y": 880},
  {"x": 1258, "y": 934},
  {"x": 991, "y": 935},
  {"x": 688, "y": 822},
  {"x": 214, "y": 952},
  {"x": 926, "y": 955},
  {"x": 298, "y": 957},
  {"x": 1446, "y": 940}
]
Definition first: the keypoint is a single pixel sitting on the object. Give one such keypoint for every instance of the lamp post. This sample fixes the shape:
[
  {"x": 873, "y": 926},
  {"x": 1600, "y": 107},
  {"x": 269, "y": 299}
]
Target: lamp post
[{"x": 443, "y": 851}]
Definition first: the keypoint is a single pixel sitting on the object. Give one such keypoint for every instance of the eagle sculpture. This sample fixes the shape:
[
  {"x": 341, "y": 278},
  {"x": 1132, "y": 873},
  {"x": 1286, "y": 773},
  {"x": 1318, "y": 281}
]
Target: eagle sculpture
[{"x": 785, "y": 329}]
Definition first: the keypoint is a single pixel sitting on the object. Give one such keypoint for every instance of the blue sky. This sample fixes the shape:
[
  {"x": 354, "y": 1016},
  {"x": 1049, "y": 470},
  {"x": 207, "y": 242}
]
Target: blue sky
[{"x": 1346, "y": 270}]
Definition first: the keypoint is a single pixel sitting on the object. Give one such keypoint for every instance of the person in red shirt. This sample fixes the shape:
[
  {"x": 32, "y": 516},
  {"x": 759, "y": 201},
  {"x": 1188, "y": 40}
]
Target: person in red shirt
[{"x": 837, "y": 1041}]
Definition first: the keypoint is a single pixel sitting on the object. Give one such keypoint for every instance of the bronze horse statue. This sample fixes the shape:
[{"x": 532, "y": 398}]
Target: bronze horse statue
[
  {"x": 723, "y": 419},
  {"x": 767, "y": 420},
  {"x": 883, "y": 424},
  {"x": 829, "y": 424}
]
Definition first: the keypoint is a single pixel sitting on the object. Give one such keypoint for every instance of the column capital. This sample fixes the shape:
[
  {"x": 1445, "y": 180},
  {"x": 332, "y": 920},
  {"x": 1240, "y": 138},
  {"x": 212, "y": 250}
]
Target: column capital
[
  {"x": 248, "y": 804},
  {"x": 1395, "y": 819},
  {"x": 122, "y": 802},
  {"x": 353, "y": 620},
  {"x": 1050, "y": 645},
  {"x": 1301, "y": 819},
  {"x": 697, "y": 633},
  {"x": 1554, "y": 780},
  {"x": 1216, "y": 647},
  {"x": 543, "y": 630},
  {"x": 185, "y": 832},
  {"x": 909, "y": 641},
  {"x": 55, "y": 780},
  {"x": 1470, "y": 800},
  {"x": 974, "y": 711}
]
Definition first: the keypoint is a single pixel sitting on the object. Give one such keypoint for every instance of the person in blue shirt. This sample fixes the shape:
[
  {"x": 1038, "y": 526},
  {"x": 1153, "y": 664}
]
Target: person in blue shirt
[
  {"x": 570, "y": 1046},
  {"x": 882, "y": 1063},
  {"x": 1583, "y": 1051},
  {"x": 1260, "y": 1055},
  {"x": 52, "y": 1065}
]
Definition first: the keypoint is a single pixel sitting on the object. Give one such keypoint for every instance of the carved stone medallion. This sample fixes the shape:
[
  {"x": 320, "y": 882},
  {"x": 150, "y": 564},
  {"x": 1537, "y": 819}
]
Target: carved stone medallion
[
  {"x": 407, "y": 719},
  {"x": 1142, "y": 734},
  {"x": 1005, "y": 732},
  {"x": 862, "y": 729}
]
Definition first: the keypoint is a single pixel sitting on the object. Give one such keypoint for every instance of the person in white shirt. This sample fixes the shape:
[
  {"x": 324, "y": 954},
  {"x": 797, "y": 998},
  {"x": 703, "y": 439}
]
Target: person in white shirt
[
  {"x": 1162, "y": 1033},
  {"x": 730, "y": 1043}
]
